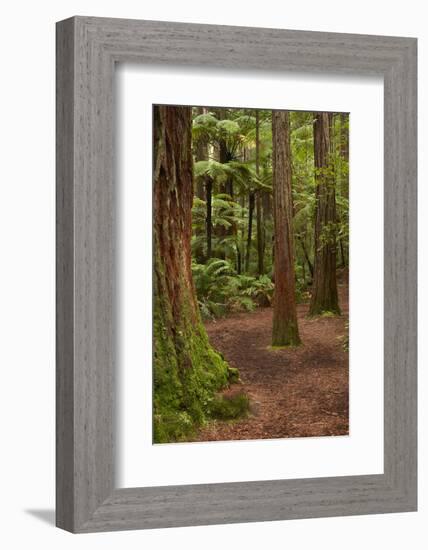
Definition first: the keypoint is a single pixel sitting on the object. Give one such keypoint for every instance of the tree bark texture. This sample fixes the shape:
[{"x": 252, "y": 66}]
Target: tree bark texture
[
  {"x": 285, "y": 331},
  {"x": 324, "y": 290},
  {"x": 187, "y": 370}
]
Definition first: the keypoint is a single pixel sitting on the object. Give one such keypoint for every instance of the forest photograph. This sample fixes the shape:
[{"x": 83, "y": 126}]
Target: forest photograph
[{"x": 250, "y": 274}]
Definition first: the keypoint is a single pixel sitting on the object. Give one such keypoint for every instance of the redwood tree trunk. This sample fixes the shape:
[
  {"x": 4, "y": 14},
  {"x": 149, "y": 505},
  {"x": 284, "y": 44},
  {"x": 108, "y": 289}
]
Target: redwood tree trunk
[
  {"x": 324, "y": 290},
  {"x": 285, "y": 331},
  {"x": 186, "y": 368}
]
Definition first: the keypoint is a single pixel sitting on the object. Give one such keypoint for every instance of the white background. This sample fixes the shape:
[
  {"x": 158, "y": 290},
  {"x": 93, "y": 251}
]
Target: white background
[
  {"x": 27, "y": 285},
  {"x": 362, "y": 451}
]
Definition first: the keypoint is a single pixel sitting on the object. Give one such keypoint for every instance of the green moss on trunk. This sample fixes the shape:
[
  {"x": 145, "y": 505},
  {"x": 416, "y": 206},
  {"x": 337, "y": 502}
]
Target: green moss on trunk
[
  {"x": 285, "y": 334},
  {"x": 183, "y": 393},
  {"x": 187, "y": 370}
]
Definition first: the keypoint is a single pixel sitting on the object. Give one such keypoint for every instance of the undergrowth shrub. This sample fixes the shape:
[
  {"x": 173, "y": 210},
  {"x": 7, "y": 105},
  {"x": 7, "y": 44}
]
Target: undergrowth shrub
[
  {"x": 221, "y": 290},
  {"x": 230, "y": 407},
  {"x": 345, "y": 339}
]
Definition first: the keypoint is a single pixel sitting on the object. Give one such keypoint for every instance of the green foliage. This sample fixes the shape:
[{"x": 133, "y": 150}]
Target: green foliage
[
  {"x": 230, "y": 407},
  {"x": 328, "y": 314},
  {"x": 182, "y": 395},
  {"x": 221, "y": 290},
  {"x": 260, "y": 289},
  {"x": 230, "y": 217},
  {"x": 215, "y": 170},
  {"x": 204, "y": 127},
  {"x": 233, "y": 375},
  {"x": 208, "y": 128},
  {"x": 328, "y": 234},
  {"x": 228, "y": 129},
  {"x": 342, "y": 233},
  {"x": 188, "y": 373},
  {"x": 226, "y": 213},
  {"x": 186, "y": 398},
  {"x": 236, "y": 130},
  {"x": 345, "y": 338},
  {"x": 302, "y": 282}
]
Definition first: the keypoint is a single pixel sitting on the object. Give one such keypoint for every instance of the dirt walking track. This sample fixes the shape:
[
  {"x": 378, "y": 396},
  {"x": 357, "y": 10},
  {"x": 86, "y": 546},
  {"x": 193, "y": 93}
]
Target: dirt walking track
[{"x": 298, "y": 392}]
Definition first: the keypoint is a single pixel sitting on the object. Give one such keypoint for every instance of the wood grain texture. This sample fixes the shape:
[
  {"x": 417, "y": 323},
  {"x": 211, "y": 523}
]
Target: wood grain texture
[
  {"x": 87, "y": 49},
  {"x": 64, "y": 276}
]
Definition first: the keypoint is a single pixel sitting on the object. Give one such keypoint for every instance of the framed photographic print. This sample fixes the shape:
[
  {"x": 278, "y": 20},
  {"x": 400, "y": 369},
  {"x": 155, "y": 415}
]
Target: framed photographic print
[{"x": 236, "y": 274}]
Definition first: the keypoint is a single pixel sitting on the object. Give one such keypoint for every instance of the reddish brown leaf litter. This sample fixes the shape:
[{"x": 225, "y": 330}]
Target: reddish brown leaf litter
[{"x": 297, "y": 392}]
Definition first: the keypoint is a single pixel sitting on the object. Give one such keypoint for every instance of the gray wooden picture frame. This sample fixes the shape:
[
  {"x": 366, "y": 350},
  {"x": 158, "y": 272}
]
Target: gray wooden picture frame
[{"x": 87, "y": 50}]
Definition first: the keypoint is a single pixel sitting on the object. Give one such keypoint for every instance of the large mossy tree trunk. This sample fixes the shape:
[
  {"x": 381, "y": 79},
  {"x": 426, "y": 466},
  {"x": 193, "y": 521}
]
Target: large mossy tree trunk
[
  {"x": 324, "y": 297},
  {"x": 187, "y": 370},
  {"x": 285, "y": 330}
]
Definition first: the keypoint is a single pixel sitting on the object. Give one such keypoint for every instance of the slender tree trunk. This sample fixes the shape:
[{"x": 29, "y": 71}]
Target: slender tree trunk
[
  {"x": 324, "y": 290},
  {"x": 251, "y": 203},
  {"x": 221, "y": 231},
  {"x": 344, "y": 147},
  {"x": 260, "y": 234},
  {"x": 285, "y": 331},
  {"x": 241, "y": 257},
  {"x": 267, "y": 215},
  {"x": 238, "y": 261},
  {"x": 201, "y": 153},
  {"x": 267, "y": 206},
  {"x": 208, "y": 222},
  {"x": 305, "y": 253},
  {"x": 227, "y": 188},
  {"x": 344, "y": 178},
  {"x": 186, "y": 367}
]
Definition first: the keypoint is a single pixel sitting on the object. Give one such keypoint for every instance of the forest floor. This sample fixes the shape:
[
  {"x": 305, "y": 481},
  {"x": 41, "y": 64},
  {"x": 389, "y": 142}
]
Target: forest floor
[{"x": 294, "y": 392}]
